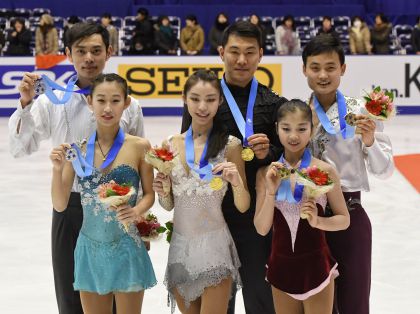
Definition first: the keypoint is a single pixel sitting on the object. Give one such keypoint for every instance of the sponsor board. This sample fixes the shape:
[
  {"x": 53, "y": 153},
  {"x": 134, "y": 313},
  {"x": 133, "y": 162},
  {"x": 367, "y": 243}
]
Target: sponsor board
[{"x": 158, "y": 81}]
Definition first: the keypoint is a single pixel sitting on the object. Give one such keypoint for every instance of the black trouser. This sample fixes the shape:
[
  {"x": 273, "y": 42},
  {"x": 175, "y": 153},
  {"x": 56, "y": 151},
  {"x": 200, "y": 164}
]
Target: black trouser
[
  {"x": 253, "y": 251},
  {"x": 352, "y": 249},
  {"x": 65, "y": 230}
]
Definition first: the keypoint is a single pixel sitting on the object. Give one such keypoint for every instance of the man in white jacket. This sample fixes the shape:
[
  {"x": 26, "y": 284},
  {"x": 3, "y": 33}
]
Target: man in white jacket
[{"x": 36, "y": 120}]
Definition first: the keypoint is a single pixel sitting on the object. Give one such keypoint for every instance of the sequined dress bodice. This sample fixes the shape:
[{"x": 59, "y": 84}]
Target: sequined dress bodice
[
  {"x": 197, "y": 206},
  {"x": 99, "y": 222}
]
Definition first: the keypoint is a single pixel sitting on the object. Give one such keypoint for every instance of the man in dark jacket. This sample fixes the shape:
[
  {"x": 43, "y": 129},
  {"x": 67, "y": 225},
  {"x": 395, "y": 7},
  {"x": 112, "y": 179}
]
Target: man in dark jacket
[
  {"x": 19, "y": 39},
  {"x": 241, "y": 52},
  {"x": 142, "y": 42}
]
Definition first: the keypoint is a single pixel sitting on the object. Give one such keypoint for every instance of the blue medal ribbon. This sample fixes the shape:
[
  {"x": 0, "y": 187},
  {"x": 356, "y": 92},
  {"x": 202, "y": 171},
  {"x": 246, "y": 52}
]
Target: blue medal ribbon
[
  {"x": 347, "y": 131},
  {"x": 84, "y": 166},
  {"x": 50, "y": 85},
  {"x": 205, "y": 168},
  {"x": 284, "y": 192},
  {"x": 246, "y": 127}
]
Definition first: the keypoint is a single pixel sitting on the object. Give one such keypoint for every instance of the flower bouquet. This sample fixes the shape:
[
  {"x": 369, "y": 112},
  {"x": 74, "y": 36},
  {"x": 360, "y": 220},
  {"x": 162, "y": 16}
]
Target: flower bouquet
[
  {"x": 150, "y": 228},
  {"x": 161, "y": 159},
  {"x": 315, "y": 181},
  {"x": 379, "y": 104},
  {"x": 114, "y": 194}
]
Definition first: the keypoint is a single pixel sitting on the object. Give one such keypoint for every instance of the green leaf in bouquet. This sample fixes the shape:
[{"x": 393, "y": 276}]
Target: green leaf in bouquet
[
  {"x": 377, "y": 89},
  {"x": 169, "y": 225},
  {"x": 161, "y": 229},
  {"x": 169, "y": 228},
  {"x": 367, "y": 98},
  {"x": 110, "y": 192},
  {"x": 390, "y": 95},
  {"x": 151, "y": 217}
]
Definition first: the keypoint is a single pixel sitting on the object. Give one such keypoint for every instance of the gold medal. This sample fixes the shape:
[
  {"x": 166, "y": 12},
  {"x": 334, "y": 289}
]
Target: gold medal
[
  {"x": 216, "y": 183},
  {"x": 247, "y": 154}
]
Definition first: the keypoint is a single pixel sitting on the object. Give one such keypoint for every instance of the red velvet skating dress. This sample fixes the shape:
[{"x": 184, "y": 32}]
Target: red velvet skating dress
[{"x": 300, "y": 262}]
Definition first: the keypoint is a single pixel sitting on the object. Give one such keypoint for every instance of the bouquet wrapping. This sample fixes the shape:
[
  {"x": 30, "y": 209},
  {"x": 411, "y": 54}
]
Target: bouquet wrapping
[
  {"x": 161, "y": 159},
  {"x": 114, "y": 194},
  {"x": 316, "y": 182}
]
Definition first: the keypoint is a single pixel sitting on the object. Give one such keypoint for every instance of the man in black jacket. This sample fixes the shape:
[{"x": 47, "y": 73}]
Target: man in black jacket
[
  {"x": 142, "y": 41},
  {"x": 241, "y": 53}
]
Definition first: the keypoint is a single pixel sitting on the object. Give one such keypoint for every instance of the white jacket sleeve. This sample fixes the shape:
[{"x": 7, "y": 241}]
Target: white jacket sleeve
[
  {"x": 379, "y": 159},
  {"x": 34, "y": 119}
]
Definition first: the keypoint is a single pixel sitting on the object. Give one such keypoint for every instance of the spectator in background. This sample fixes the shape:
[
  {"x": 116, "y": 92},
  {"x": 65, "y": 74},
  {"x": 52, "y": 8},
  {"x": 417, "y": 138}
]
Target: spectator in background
[
  {"x": 327, "y": 27},
  {"x": 19, "y": 39},
  {"x": 142, "y": 42},
  {"x": 415, "y": 37},
  {"x": 265, "y": 30},
  {"x": 359, "y": 37},
  {"x": 106, "y": 21},
  {"x": 216, "y": 33},
  {"x": 46, "y": 36},
  {"x": 2, "y": 40},
  {"x": 287, "y": 40},
  {"x": 165, "y": 38},
  {"x": 380, "y": 35},
  {"x": 70, "y": 22},
  {"x": 192, "y": 36}
]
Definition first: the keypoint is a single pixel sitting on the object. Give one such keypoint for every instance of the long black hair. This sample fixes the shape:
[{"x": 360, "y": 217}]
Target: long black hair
[{"x": 219, "y": 135}]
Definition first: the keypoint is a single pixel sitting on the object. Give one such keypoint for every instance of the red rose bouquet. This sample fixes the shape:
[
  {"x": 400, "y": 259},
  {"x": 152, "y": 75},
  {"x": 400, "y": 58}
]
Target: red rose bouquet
[
  {"x": 161, "y": 158},
  {"x": 315, "y": 181},
  {"x": 114, "y": 194},
  {"x": 150, "y": 228},
  {"x": 379, "y": 104}
]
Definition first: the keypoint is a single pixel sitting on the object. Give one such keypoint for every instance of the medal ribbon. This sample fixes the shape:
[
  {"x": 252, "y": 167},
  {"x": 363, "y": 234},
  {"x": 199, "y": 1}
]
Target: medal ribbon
[
  {"x": 245, "y": 126},
  {"x": 68, "y": 90},
  {"x": 84, "y": 166},
  {"x": 284, "y": 192},
  {"x": 347, "y": 131},
  {"x": 204, "y": 169}
]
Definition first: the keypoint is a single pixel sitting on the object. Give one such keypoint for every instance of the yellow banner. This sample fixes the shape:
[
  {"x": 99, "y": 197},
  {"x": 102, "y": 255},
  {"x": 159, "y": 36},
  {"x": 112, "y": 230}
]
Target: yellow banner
[{"x": 167, "y": 80}]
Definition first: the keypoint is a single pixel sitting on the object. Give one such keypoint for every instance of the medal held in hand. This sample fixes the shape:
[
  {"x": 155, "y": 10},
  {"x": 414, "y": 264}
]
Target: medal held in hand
[
  {"x": 350, "y": 119},
  {"x": 71, "y": 153},
  {"x": 245, "y": 126},
  {"x": 39, "y": 87},
  {"x": 216, "y": 183},
  {"x": 247, "y": 154}
]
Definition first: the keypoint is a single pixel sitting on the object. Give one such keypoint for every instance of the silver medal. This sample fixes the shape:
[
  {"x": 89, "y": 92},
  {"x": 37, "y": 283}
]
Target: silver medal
[
  {"x": 39, "y": 86},
  {"x": 71, "y": 154}
]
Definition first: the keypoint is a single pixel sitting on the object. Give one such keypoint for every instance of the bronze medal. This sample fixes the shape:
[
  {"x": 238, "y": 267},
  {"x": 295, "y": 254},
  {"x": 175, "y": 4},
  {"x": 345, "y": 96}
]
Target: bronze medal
[{"x": 284, "y": 172}]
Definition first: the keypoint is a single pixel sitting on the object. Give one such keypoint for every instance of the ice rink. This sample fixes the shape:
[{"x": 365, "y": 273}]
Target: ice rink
[{"x": 26, "y": 279}]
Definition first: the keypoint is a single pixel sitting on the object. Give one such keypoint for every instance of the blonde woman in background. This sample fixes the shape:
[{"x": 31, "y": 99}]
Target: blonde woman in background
[{"x": 46, "y": 36}]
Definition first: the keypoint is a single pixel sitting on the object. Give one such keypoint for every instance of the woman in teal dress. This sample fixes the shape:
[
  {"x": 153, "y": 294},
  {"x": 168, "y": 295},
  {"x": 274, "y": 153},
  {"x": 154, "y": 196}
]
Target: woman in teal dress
[{"x": 110, "y": 257}]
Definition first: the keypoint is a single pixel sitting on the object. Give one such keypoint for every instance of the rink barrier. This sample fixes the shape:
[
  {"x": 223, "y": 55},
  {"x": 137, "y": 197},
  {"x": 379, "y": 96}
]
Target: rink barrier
[{"x": 158, "y": 81}]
